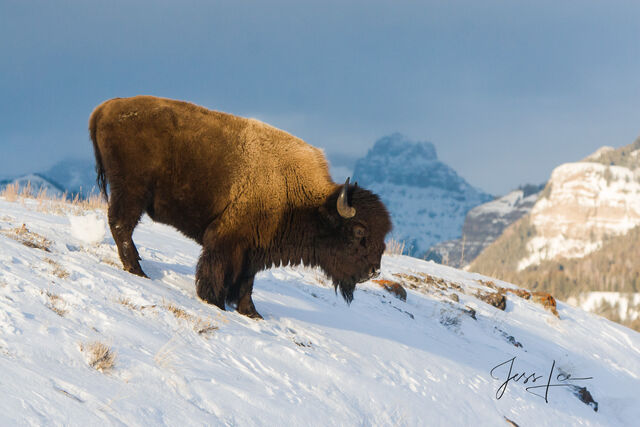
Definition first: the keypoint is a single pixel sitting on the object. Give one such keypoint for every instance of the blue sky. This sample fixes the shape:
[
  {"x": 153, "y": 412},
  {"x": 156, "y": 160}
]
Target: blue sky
[{"x": 506, "y": 90}]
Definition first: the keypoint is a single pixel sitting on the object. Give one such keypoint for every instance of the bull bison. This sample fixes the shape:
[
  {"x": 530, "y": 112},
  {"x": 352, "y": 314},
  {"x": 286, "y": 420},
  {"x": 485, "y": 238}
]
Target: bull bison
[{"x": 250, "y": 194}]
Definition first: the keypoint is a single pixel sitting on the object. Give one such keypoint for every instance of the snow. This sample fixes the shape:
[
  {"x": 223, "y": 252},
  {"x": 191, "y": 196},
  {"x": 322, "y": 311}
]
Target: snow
[
  {"x": 504, "y": 205},
  {"x": 312, "y": 361},
  {"x": 628, "y": 303},
  {"x": 89, "y": 228}
]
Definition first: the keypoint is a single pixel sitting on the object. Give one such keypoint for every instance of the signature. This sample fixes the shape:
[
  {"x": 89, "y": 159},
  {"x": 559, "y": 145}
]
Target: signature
[{"x": 563, "y": 380}]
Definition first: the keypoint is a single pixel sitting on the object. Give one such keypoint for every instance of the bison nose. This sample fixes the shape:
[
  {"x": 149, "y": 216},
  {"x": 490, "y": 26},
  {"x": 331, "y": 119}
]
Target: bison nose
[{"x": 373, "y": 273}]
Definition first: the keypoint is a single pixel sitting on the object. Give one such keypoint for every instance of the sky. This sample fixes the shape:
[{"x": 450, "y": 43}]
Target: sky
[{"x": 506, "y": 90}]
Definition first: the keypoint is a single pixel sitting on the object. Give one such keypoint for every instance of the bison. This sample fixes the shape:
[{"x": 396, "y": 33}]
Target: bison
[{"x": 250, "y": 194}]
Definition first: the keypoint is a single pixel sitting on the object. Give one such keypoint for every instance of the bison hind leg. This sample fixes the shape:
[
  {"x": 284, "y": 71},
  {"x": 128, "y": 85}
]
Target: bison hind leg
[{"x": 124, "y": 214}]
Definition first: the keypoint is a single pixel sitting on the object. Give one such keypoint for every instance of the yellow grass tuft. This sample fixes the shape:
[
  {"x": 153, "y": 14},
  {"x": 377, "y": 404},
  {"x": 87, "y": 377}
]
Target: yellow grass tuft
[
  {"x": 178, "y": 312},
  {"x": 204, "y": 327},
  {"x": 54, "y": 204},
  {"x": 58, "y": 270},
  {"x": 99, "y": 356},
  {"x": 28, "y": 238},
  {"x": 56, "y": 304},
  {"x": 127, "y": 303},
  {"x": 394, "y": 247},
  {"x": 10, "y": 192}
]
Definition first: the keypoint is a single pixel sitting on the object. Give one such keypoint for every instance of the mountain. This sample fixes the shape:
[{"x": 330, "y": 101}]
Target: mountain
[
  {"x": 83, "y": 343},
  {"x": 484, "y": 224},
  {"x": 588, "y": 211},
  {"x": 73, "y": 176},
  {"x": 427, "y": 199}
]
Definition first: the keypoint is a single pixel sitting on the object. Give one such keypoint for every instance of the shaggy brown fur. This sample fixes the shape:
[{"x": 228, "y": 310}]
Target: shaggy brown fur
[{"x": 250, "y": 194}]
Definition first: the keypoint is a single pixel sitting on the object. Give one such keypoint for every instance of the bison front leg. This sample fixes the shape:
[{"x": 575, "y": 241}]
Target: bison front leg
[{"x": 245, "y": 302}]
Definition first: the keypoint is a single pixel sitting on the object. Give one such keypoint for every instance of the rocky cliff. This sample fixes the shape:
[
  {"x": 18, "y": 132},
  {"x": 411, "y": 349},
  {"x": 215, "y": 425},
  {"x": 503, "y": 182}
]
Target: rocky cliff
[
  {"x": 581, "y": 236},
  {"x": 583, "y": 204}
]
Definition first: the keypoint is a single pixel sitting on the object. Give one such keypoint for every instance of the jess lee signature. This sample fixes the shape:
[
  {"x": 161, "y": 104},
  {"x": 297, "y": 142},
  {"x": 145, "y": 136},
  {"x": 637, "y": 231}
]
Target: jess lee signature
[{"x": 511, "y": 375}]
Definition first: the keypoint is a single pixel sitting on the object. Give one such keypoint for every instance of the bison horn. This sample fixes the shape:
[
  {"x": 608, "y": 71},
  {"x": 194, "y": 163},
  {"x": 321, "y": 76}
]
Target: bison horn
[{"x": 344, "y": 209}]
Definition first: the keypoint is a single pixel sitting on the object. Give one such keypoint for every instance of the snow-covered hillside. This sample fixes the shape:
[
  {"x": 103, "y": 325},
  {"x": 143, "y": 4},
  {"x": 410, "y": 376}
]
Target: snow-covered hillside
[
  {"x": 427, "y": 199},
  {"x": 439, "y": 358}
]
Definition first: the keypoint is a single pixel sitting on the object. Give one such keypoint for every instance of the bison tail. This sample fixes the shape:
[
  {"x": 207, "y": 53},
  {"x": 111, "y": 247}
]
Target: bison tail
[{"x": 101, "y": 179}]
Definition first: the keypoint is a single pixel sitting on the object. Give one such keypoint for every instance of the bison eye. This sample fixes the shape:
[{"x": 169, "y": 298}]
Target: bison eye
[{"x": 359, "y": 231}]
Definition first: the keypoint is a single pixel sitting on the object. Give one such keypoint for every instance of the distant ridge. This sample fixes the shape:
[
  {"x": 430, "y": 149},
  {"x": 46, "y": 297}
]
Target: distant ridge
[{"x": 73, "y": 176}]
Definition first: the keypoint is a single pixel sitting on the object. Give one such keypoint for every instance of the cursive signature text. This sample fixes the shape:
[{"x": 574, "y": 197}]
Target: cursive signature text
[{"x": 544, "y": 382}]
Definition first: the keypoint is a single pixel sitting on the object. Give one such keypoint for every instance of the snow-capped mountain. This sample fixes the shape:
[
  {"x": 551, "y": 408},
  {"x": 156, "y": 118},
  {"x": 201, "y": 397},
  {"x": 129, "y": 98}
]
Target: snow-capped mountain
[
  {"x": 83, "y": 343},
  {"x": 427, "y": 199},
  {"x": 484, "y": 224}
]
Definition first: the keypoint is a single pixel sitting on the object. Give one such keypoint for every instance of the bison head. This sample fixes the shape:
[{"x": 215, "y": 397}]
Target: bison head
[{"x": 355, "y": 223}]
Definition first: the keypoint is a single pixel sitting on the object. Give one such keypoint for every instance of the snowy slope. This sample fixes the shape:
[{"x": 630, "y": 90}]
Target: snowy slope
[
  {"x": 312, "y": 361},
  {"x": 426, "y": 198}
]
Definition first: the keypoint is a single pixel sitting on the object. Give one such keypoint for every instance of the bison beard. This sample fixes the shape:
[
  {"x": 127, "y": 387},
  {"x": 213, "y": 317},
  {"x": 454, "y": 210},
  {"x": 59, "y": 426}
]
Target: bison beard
[{"x": 250, "y": 194}]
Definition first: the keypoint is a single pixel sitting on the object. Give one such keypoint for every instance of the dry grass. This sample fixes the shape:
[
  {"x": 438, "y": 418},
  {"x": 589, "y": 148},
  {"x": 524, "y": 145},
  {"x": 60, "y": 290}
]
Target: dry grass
[
  {"x": 165, "y": 356},
  {"x": 201, "y": 326},
  {"x": 204, "y": 327},
  {"x": 127, "y": 303},
  {"x": 56, "y": 304},
  {"x": 99, "y": 356},
  {"x": 28, "y": 238},
  {"x": 394, "y": 247},
  {"x": 54, "y": 204},
  {"x": 10, "y": 192},
  {"x": 58, "y": 270},
  {"x": 111, "y": 262},
  {"x": 178, "y": 312}
]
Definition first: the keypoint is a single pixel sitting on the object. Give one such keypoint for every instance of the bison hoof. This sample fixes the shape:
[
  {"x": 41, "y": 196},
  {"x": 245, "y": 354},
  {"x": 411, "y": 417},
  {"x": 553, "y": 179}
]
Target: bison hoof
[
  {"x": 251, "y": 312},
  {"x": 254, "y": 315},
  {"x": 137, "y": 271}
]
